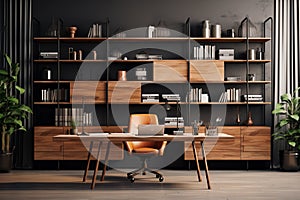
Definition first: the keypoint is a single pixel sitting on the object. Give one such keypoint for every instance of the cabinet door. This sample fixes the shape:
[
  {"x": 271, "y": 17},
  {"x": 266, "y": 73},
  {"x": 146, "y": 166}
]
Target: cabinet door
[
  {"x": 79, "y": 150},
  {"x": 221, "y": 149},
  {"x": 44, "y": 147},
  {"x": 124, "y": 92},
  {"x": 206, "y": 71},
  {"x": 170, "y": 70},
  {"x": 92, "y": 91},
  {"x": 256, "y": 143}
]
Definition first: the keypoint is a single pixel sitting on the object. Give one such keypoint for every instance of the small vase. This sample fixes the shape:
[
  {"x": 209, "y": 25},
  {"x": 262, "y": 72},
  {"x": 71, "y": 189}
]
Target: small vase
[
  {"x": 53, "y": 28},
  {"x": 238, "y": 119},
  {"x": 249, "y": 121}
]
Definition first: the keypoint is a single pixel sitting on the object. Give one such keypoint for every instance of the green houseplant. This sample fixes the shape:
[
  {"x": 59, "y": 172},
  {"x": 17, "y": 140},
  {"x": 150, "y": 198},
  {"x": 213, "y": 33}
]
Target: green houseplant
[
  {"x": 12, "y": 111},
  {"x": 288, "y": 128},
  {"x": 74, "y": 129}
]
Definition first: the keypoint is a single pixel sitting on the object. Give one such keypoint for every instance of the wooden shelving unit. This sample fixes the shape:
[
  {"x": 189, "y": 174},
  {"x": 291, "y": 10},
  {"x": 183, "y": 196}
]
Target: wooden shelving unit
[{"x": 184, "y": 73}]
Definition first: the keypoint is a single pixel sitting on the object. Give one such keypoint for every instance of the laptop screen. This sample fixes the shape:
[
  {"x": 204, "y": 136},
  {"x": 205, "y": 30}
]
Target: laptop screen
[{"x": 151, "y": 129}]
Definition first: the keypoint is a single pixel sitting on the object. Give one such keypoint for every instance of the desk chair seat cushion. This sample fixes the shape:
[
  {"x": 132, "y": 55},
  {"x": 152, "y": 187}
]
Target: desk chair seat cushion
[{"x": 137, "y": 147}]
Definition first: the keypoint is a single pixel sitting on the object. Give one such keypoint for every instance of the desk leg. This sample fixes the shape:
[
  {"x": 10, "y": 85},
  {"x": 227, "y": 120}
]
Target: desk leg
[
  {"x": 97, "y": 165},
  {"x": 88, "y": 162},
  {"x": 206, "y": 166},
  {"x": 106, "y": 161},
  {"x": 197, "y": 161}
]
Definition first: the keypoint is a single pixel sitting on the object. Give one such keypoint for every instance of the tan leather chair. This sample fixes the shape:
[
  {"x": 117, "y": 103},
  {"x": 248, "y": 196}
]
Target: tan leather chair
[{"x": 144, "y": 149}]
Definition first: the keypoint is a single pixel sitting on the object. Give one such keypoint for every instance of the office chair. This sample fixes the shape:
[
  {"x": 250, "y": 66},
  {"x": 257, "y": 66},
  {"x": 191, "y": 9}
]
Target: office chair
[{"x": 144, "y": 149}]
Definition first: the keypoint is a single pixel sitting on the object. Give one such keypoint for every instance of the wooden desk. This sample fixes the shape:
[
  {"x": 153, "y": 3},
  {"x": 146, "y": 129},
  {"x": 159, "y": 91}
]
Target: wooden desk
[{"x": 122, "y": 137}]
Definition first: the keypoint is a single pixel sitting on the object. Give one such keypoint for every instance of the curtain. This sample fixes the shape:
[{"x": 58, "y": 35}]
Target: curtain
[
  {"x": 287, "y": 57},
  {"x": 16, "y": 41}
]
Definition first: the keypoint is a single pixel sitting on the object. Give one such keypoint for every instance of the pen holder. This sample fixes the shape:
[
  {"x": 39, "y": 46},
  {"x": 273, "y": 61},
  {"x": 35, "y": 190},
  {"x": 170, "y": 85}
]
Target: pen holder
[{"x": 211, "y": 131}]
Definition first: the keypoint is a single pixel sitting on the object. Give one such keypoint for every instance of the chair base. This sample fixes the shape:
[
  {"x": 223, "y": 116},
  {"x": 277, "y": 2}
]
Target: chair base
[{"x": 144, "y": 169}]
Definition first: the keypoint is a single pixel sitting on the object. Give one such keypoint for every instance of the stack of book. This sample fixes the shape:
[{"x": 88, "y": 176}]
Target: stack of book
[
  {"x": 55, "y": 95},
  {"x": 95, "y": 31},
  {"x": 231, "y": 95},
  {"x": 172, "y": 121},
  {"x": 205, "y": 52},
  {"x": 64, "y": 116},
  {"x": 171, "y": 97},
  {"x": 150, "y": 98},
  {"x": 253, "y": 97},
  {"x": 141, "y": 74}
]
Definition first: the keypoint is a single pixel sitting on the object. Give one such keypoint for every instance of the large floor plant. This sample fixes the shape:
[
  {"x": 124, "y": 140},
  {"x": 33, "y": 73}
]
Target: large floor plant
[
  {"x": 12, "y": 111},
  {"x": 288, "y": 129}
]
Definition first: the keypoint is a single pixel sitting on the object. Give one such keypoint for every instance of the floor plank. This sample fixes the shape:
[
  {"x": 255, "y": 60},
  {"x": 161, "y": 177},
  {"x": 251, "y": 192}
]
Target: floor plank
[{"x": 226, "y": 185}]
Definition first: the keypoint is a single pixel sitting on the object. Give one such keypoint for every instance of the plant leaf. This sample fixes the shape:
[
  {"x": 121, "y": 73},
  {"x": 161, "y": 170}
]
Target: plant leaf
[
  {"x": 285, "y": 97},
  {"x": 293, "y": 144},
  {"x": 3, "y": 72},
  {"x": 21, "y": 90},
  {"x": 13, "y": 100},
  {"x": 8, "y": 60},
  {"x": 295, "y": 117},
  {"x": 283, "y": 122}
]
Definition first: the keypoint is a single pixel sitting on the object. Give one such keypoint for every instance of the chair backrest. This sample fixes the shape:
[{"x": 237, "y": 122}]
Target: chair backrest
[
  {"x": 134, "y": 121},
  {"x": 137, "y": 119}
]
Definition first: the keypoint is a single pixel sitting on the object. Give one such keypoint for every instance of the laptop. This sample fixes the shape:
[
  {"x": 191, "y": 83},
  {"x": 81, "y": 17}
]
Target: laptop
[{"x": 151, "y": 129}]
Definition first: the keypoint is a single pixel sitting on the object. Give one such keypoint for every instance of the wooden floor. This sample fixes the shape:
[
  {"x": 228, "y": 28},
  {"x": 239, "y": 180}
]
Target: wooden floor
[{"x": 226, "y": 185}]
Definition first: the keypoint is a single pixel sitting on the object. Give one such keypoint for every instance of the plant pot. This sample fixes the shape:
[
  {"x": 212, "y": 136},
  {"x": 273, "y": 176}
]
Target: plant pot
[
  {"x": 6, "y": 160},
  {"x": 73, "y": 131},
  {"x": 289, "y": 160}
]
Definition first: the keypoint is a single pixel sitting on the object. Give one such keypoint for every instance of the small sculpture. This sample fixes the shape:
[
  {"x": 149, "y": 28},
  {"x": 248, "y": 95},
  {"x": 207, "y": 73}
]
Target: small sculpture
[
  {"x": 195, "y": 125},
  {"x": 72, "y": 30}
]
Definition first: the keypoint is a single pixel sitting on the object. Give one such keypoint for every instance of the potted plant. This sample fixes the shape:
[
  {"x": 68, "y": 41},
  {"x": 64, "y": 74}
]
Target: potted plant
[
  {"x": 12, "y": 111},
  {"x": 288, "y": 129},
  {"x": 74, "y": 129}
]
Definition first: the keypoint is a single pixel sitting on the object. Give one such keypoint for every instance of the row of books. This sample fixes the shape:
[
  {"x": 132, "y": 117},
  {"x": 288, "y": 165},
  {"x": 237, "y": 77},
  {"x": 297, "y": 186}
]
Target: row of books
[
  {"x": 95, "y": 31},
  {"x": 55, "y": 95},
  {"x": 172, "y": 121},
  {"x": 65, "y": 117},
  {"x": 231, "y": 95},
  {"x": 197, "y": 95},
  {"x": 205, "y": 52}
]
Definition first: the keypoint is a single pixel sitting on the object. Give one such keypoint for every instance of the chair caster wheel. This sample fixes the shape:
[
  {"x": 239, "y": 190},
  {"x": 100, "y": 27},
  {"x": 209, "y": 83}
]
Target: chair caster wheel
[
  {"x": 144, "y": 173},
  {"x": 157, "y": 176},
  {"x": 129, "y": 175},
  {"x": 161, "y": 179},
  {"x": 132, "y": 179}
]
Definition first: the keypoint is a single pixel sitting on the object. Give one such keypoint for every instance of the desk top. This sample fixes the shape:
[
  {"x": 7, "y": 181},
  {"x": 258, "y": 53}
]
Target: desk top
[{"x": 120, "y": 137}]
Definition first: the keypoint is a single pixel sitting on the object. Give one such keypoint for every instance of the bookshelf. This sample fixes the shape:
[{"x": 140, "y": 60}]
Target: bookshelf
[{"x": 177, "y": 73}]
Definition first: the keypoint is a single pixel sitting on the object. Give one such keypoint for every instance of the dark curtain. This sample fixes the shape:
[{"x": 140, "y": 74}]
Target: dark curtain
[
  {"x": 16, "y": 41},
  {"x": 287, "y": 55}
]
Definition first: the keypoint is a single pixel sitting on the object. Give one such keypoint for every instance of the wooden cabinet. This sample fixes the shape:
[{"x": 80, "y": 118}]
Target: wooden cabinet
[
  {"x": 127, "y": 92},
  {"x": 222, "y": 149},
  {"x": 46, "y": 149},
  {"x": 249, "y": 143},
  {"x": 206, "y": 71},
  {"x": 170, "y": 70},
  {"x": 91, "y": 91},
  {"x": 255, "y": 143}
]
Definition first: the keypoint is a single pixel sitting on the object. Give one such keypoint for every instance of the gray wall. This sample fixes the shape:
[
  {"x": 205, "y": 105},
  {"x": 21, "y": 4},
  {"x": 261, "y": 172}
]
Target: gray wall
[{"x": 136, "y": 13}]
